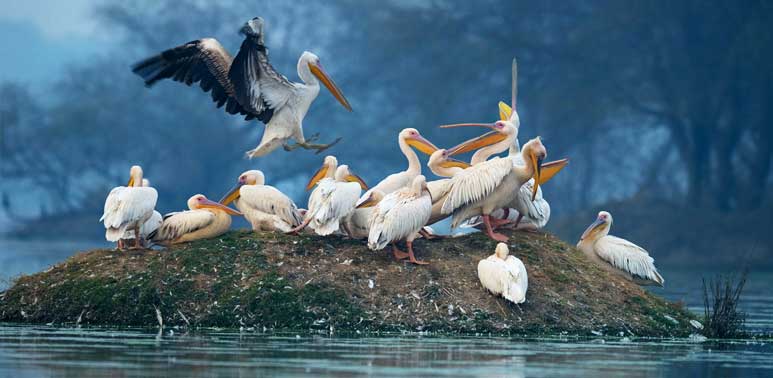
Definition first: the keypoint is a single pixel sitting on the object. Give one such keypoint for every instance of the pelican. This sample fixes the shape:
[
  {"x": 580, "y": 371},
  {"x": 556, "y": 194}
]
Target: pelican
[
  {"x": 248, "y": 84},
  {"x": 206, "y": 219},
  {"x": 333, "y": 199},
  {"x": 617, "y": 255},
  {"x": 441, "y": 164},
  {"x": 357, "y": 223},
  {"x": 406, "y": 139},
  {"x": 149, "y": 226},
  {"x": 265, "y": 207},
  {"x": 128, "y": 208},
  {"x": 401, "y": 215},
  {"x": 504, "y": 275}
]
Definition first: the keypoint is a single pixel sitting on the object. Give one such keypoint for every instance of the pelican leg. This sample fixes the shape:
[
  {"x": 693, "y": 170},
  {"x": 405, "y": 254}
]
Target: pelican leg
[
  {"x": 411, "y": 257},
  {"x": 137, "y": 243},
  {"x": 311, "y": 146},
  {"x": 300, "y": 227},
  {"x": 399, "y": 255},
  {"x": 490, "y": 232},
  {"x": 120, "y": 244}
]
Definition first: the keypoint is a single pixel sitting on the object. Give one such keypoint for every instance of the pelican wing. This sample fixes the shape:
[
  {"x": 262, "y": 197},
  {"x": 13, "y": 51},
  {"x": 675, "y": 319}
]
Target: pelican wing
[
  {"x": 476, "y": 182},
  {"x": 399, "y": 215},
  {"x": 202, "y": 61},
  {"x": 336, "y": 200},
  {"x": 628, "y": 257},
  {"x": 516, "y": 280},
  {"x": 439, "y": 188},
  {"x": 127, "y": 205},
  {"x": 269, "y": 200},
  {"x": 182, "y": 222},
  {"x": 536, "y": 212},
  {"x": 257, "y": 85}
]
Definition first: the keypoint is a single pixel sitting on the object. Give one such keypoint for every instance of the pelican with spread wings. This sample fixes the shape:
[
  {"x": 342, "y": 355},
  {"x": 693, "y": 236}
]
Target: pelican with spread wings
[{"x": 248, "y": 85}]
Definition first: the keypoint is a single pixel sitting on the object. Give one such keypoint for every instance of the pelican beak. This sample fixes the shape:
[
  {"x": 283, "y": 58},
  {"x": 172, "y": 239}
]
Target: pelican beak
[
  {"x": 421, "y": 144},
  {"x": 317, "y": 176},
  {"x": 505, "y": 111},
  {"x": 354, "y": 178},
  {"x": 232, "y": 194},
  {"x": 453, "y": 163},
  {"x": 369, "y": 202},
  {"x": 484, "y": 140},
  {"x": 131, "y": 181},
  {"x": 217, "y": 205},
  {"x": 537, "y": 166},
  {"x": 595, "y": 226},
  {"x": 550, "y": 169},
  {"x": 319, "y": 72}
]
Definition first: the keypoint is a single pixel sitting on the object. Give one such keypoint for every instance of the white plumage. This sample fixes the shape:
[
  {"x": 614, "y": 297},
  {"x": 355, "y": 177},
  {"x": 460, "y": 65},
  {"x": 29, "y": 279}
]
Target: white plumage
[
  {"x": 264, "y": 206},
  {"x": 618, "y": 255},
  {"x": 504, "y": 275},
  {"x": 150, "y": 225},
  {"x": 128, "y": 207},
  {"x": 400, "y": 216},
  {"x": 332, "y": 200},
  {"x": 205, "y": 219}
]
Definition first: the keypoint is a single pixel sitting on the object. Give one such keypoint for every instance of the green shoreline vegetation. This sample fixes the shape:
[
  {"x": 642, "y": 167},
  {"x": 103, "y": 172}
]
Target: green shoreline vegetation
[{"x": 300, "y": 283}]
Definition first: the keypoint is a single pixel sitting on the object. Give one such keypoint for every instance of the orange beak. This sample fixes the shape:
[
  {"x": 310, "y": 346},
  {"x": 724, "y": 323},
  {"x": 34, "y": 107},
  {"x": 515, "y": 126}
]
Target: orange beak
[
  {"x": 216, "y": 205},
  {"x": 421, "y": 144},
  {"x": 484, "y": 140},
  {"x": 320, "y": 74}
]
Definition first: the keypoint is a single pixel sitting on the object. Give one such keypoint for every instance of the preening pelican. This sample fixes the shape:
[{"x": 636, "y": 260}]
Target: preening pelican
[
  {"x": 128, "y": 208},
  {"x": 149, "y": 226},
  {"x": 333, "y": 199},
  {"x": 265, "y": 207},
  {"x": 357, "y": 223},
  {"x": 247, "y": 84},
  {"x": 401, "y": 215},
  {"x": 206, "y": 219},
  {"x": 618, "y": 255},
  {"x": 407, "y": 138},
  {"x": 504, "y": 275}
]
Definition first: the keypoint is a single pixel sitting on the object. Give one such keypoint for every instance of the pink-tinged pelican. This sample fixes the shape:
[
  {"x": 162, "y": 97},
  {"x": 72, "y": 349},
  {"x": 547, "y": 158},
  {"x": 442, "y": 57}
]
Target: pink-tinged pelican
[
  {"x": 333, "y": 199},
  {"x": 265, "y": 207},
  {"x": 400, "y": 215},
  {"x": 248, "y": 84},
  {"x": 617, "y": 255},
  {"x": 505, "y": 275},
  {"x": 357, "y": 223},
  {"x": 149, "y": 226},
  {"x": 127, "y": 208},
  {"x": 406, "y": 139},
  {"x": 206, "y": 219}
]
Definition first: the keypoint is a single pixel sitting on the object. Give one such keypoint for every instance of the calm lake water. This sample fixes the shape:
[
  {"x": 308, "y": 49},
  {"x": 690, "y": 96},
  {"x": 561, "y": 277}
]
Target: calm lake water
[{"x": 46, "y": 351}]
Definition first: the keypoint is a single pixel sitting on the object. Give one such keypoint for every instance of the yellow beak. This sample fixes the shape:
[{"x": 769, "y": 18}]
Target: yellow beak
[
  {"x": 215, "y": 205},
  {"x": 354, "y": 178},
  {"x": 550, "y": 169},
  {"x": 317, "y": 176},
  {"x": 232, "y": 194},
  {"x": 453, "y": 163},
  {"x": 505, "y": 111},
  {"x": 320, "y": 74},
  {"x": 421, "y": 144},
  {"x": 369, "y": 202},
  {"x": 537, "y": 166},
  {"x": 595, "y": 226},
  {"x": 484, "y": 140},
  {"x": 131, "y": 181}
]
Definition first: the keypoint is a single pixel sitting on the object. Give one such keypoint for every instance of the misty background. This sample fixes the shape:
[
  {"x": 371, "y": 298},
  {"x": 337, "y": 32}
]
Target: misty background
[{"x": 664, "y": 108}]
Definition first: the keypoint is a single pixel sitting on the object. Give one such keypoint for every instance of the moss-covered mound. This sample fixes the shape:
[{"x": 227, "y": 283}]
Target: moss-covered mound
[{"x": 273, "y": 281}]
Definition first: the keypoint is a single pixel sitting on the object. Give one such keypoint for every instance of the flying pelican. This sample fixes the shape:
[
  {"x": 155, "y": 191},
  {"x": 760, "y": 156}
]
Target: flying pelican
[
  {"x": 618, "y": 255},
  {"x": 128, "y": 208},
  {"x": 149, "y": 226},
  {"x": 357, "y": 223},
  {"x": 401, "y": 215},
  {"x": 205, "y": 219},
  {"x": 405, "y": 139},
  {"x": 248, "y": 84},
  {"x": 265, "y": 207},
  {"x": 504, "y": 275},
  {"x": 333, "y": 199}
]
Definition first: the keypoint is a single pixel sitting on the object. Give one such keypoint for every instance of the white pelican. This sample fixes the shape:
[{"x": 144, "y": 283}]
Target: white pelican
[
  {"x": 149, "y": 226},
  {"x": 205, "y": 219},
  {"x": 247, "y": 84},
  {"x": 333, "y": 199},
  {"x": 441, "y": 164},
  {"x": 265, "y": 207},
  {"x": 504, "y": 275},
  {"x": 618, "y": 255},
  {"x": 407, "y": 138},
  {"x": 357, "y": 223},
  {"x": 401, "y": 215},
  {"x": 128, "y": 208}
]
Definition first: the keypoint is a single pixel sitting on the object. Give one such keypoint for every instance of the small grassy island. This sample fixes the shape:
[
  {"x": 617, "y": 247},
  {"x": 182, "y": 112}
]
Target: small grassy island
[{"x": 280, "y": 282}]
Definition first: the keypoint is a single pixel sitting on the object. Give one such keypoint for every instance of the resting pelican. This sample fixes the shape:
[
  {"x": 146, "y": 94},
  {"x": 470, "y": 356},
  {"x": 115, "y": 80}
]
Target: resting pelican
[
  {"x": 128, "y": 208},
  {"x": 206, "y": 219},
  {"x": 333, "y": 199},
  {"x": 407, "y": 138},
  {"x": 247, "y": 84},
  {"x": 149, "y": 226},
  {"x": 357, "y": 223},
  {"x": 617, "y": 255},
  {"x": 265, "y": 207},
  {"x": 504, "y": 275},
  {"x": 401, "y": 215}
]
